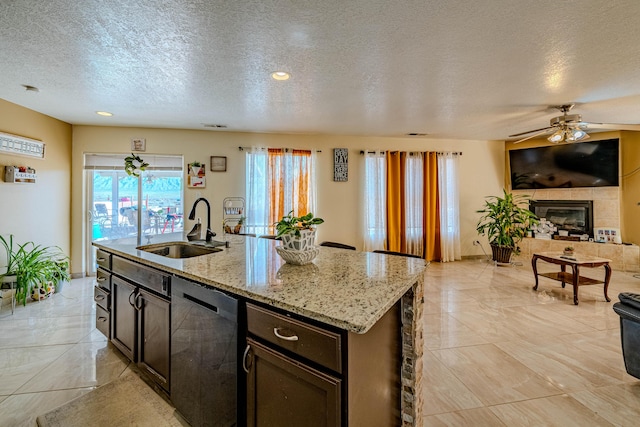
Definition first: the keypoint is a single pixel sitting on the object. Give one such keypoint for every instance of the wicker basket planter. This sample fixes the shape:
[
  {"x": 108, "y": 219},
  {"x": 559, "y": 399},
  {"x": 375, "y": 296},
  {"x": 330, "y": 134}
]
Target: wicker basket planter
[{"x": 501, "y": 254}]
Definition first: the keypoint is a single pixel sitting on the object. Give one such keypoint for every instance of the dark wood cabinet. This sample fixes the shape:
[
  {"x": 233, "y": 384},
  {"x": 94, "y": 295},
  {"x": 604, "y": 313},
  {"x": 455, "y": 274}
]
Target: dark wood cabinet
[
  {"x": 124, "y": 325},
  {"x": 284, "y": 392},
  {"x": 154, "y": 320},
  {"x": 141, "y": 318}
]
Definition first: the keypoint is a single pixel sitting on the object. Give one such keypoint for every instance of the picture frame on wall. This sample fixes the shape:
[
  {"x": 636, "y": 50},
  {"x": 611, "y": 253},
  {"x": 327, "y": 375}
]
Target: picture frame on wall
[
  {"x": 218, "y": 164},
  {"x": 196, "y": 175},
  {"x": 340, "y": 164},
  {"x": 138, "y": 144}
]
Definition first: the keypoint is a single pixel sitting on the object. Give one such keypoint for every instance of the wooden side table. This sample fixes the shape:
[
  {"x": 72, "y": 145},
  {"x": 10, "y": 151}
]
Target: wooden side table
[{"x": 574, "y": 278}]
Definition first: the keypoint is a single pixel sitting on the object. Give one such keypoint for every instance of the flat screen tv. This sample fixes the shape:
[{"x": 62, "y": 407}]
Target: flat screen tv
[{"x": 578, "y": 164}]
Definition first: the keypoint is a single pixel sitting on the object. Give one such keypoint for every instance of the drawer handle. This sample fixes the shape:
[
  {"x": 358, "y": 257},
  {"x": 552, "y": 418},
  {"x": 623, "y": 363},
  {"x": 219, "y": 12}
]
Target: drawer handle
[
  {"x": 101, "y": 279},
  {"x": 101, "y": 259},
  {"x": 99, "y": 297},
  {"x": 276, "y": 332},
  {"x": 245, "y": 366},
  {"x": 102, "y": 319}
]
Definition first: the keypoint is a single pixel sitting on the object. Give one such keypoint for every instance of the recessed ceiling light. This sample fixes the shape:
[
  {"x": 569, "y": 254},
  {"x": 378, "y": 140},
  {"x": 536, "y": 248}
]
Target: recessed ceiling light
[
  {"x": 417, "y": 134},
  {"x": 280, "y": 75},
  {"x": 104, "y": 113}
]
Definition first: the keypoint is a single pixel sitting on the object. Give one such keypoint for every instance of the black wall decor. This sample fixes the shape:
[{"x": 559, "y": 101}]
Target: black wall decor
[{"x": 340, "y": 164}]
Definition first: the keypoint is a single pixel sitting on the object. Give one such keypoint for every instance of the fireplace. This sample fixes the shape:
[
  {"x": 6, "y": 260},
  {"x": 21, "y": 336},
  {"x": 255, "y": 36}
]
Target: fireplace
[{"x": 573, "y": 216}]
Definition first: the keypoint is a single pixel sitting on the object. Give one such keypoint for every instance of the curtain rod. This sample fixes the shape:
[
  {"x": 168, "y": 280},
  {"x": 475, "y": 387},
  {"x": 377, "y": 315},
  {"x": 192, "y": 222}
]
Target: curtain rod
[
  {"x": 241, "y": 148},
  {"x": 455, "y": 153}
]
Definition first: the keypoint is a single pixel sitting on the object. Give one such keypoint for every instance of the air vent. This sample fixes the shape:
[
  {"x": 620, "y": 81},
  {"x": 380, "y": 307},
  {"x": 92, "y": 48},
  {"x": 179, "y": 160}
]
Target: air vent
[
  {"x": 214, "y": 126},
  {"x": 416, "y": 134},
  {"x": 30, "y": 88}
]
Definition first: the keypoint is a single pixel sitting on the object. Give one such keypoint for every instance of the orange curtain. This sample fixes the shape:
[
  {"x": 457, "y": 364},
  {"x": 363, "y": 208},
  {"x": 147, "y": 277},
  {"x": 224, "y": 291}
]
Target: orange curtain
[
  {"x": 431, "y": 211},
  {"x": 289, "y": 181},
  {"x": 396, "y": 235}
]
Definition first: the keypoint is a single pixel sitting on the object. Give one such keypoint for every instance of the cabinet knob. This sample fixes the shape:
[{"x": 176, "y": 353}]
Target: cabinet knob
[
  {"x": 101, "y": 279},
  {"x": 276, "y": 332}
]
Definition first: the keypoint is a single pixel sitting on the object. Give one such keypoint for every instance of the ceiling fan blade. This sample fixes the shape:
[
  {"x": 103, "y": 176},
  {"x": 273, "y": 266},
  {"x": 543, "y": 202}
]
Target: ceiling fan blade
[
  {"x": 612, "y": 126},
  {"x": 530, "y": 131},
  {"x": 538, "y": 133}
]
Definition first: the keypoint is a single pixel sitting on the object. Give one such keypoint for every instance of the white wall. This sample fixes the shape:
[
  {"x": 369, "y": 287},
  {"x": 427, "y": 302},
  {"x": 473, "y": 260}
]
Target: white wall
[
  {"x": 339, "y": 203},
  {"x": 37, "y": 212}
]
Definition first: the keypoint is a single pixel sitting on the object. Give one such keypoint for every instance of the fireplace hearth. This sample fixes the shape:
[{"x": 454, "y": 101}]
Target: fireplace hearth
[{"x": 573, "y": 216}]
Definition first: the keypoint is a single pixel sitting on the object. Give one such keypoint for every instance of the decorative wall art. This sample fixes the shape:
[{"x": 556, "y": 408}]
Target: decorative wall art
[
  {"x": 340, "y": 164},
  {"x": 218, "y": 164},
  {"x": 138, "y": 144},
  {"x": 20, "y": 145},
  {"x": 196, "y": 175}
]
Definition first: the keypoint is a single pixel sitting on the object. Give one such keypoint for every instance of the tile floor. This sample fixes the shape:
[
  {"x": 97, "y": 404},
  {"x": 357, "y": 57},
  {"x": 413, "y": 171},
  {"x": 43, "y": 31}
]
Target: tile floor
[{"x": 497, "y": 352}]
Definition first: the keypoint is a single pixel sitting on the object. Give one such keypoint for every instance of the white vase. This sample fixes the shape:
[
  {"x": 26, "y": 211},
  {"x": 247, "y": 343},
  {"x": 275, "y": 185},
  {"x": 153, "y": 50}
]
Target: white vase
[{"x": 304, "y": 242}]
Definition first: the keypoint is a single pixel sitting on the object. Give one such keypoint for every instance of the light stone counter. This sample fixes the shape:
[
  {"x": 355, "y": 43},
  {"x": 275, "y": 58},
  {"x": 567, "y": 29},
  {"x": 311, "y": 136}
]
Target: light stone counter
[{"x": 348, "y": 289}]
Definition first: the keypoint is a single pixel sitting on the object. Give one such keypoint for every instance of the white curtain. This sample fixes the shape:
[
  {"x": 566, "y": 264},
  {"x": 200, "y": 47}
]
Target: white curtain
[
  {"x": 257, "y": 184},
  {"x": 414, "y": 202},
  {"x": 449, "y": 206},
  {"x": 375, "y": 200}
]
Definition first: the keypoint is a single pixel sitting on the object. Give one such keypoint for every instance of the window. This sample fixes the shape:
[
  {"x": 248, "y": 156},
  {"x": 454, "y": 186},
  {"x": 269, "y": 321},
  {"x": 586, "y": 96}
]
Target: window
[{"x": 278, "y": 181}]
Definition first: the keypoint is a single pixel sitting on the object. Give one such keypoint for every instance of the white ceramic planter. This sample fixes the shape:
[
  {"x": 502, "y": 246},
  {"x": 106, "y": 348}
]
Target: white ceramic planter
[{"x": 305, "y": 242}]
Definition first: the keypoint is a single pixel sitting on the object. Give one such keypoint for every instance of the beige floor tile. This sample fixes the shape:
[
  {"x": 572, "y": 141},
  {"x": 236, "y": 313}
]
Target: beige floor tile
[
  {"x": 23, "y": 409},
  {"x": 85, "y": 365},
  {"x": 38, "y": 331},
  {"x": 561, "y": 411},
  {"x": 619, "y": 404},
  {"x": 444, "y": 393},
  {"x": 481, "y": 417},
  {"x": 494, "y": 376},
  {"x": 442, "y": 330},
  {"x": 19, "y": 365}
]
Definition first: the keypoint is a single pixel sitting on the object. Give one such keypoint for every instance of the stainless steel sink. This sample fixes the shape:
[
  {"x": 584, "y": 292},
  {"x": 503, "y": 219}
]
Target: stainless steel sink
[{"x": 179, "y": 249}]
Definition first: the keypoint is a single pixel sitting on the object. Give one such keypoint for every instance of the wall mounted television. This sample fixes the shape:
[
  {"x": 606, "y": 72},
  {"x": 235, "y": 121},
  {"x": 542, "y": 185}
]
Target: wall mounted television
[{"x": 578, "y": 164}]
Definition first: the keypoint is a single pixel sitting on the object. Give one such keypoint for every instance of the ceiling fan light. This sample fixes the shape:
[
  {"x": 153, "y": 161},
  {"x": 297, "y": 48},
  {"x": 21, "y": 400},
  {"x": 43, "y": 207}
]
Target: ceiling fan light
[
  {"x": 578, "y": 134},
  {"x": 557, "y": 136}
]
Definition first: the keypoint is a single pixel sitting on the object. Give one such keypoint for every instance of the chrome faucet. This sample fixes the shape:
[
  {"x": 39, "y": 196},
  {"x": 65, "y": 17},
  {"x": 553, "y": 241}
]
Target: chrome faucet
[{"x": 192, "y": 215}]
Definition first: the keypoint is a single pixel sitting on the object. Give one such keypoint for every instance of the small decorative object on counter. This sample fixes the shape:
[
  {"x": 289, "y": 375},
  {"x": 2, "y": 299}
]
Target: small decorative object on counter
[
  {"x": 298, "y": 235},
  {"x": 568, "y": 250}
]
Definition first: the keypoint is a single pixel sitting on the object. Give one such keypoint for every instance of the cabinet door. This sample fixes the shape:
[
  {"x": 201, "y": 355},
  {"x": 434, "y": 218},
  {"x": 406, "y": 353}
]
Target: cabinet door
[
  {"x": 153, "y": 349},
  {"x": 124, "y": 317},
  {"x": 282, "y": 392}
]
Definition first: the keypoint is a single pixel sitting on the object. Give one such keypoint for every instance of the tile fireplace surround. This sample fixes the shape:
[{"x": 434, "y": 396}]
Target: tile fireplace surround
[{"x": 606, "y": 213}]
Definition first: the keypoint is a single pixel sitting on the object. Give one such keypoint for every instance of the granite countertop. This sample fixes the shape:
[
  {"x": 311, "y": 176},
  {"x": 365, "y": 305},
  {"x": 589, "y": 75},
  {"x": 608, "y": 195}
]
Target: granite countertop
[{"x": 348, "y": 289}]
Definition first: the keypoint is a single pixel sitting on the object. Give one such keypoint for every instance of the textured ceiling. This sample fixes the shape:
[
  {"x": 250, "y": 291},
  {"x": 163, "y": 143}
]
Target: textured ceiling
[{"x": 451, "y": 69}]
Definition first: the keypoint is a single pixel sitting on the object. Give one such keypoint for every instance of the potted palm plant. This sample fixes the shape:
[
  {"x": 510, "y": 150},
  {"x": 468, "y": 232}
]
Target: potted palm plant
[{"x": 505, "y": 222}]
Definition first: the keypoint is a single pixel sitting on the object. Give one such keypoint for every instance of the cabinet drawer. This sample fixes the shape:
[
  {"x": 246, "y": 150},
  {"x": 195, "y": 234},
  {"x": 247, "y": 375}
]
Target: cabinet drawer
[
  {"x": 146, "y": 277},
  {"x": 103, "y": 279},
  {"x": 310, "y": 342},
  {"x": 103, "y": 259},
  {"x": 103, "y": 321},
  {"x": 102, "y": 297}
]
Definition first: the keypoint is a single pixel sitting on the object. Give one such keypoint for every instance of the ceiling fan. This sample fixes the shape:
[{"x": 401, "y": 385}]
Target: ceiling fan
[{"x": 570, "y": 127}]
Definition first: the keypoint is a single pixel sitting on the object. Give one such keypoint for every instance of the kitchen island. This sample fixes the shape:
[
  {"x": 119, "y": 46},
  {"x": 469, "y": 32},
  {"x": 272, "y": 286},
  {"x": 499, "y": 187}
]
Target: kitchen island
[{"x": 371, "y": 303}]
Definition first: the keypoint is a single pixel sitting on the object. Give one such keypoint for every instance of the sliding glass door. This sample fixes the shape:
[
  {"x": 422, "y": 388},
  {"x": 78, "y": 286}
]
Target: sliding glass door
[{"x": 113, "y": 200}]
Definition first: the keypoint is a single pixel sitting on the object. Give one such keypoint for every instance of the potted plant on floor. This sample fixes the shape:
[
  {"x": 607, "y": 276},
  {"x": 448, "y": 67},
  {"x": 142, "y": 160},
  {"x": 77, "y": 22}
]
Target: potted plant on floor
[
  {"x": 35, "y": 267},
  {"x": 505, "y": 222}
]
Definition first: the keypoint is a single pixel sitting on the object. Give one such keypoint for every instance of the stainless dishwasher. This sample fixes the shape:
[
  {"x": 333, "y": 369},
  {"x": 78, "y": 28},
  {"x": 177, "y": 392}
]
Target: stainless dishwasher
[{"x": 204, "y": 354}]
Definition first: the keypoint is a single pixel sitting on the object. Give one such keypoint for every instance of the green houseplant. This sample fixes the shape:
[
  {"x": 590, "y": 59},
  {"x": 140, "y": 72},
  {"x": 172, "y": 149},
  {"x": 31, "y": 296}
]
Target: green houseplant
[
  {"x": 297, "y": 232},
  {"x": 505, "y": 222},
  {"x": 34, "y": 267}
]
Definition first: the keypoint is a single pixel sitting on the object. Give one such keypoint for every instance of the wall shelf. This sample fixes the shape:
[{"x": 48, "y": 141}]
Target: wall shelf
[{"x": 13, "y": 175}]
